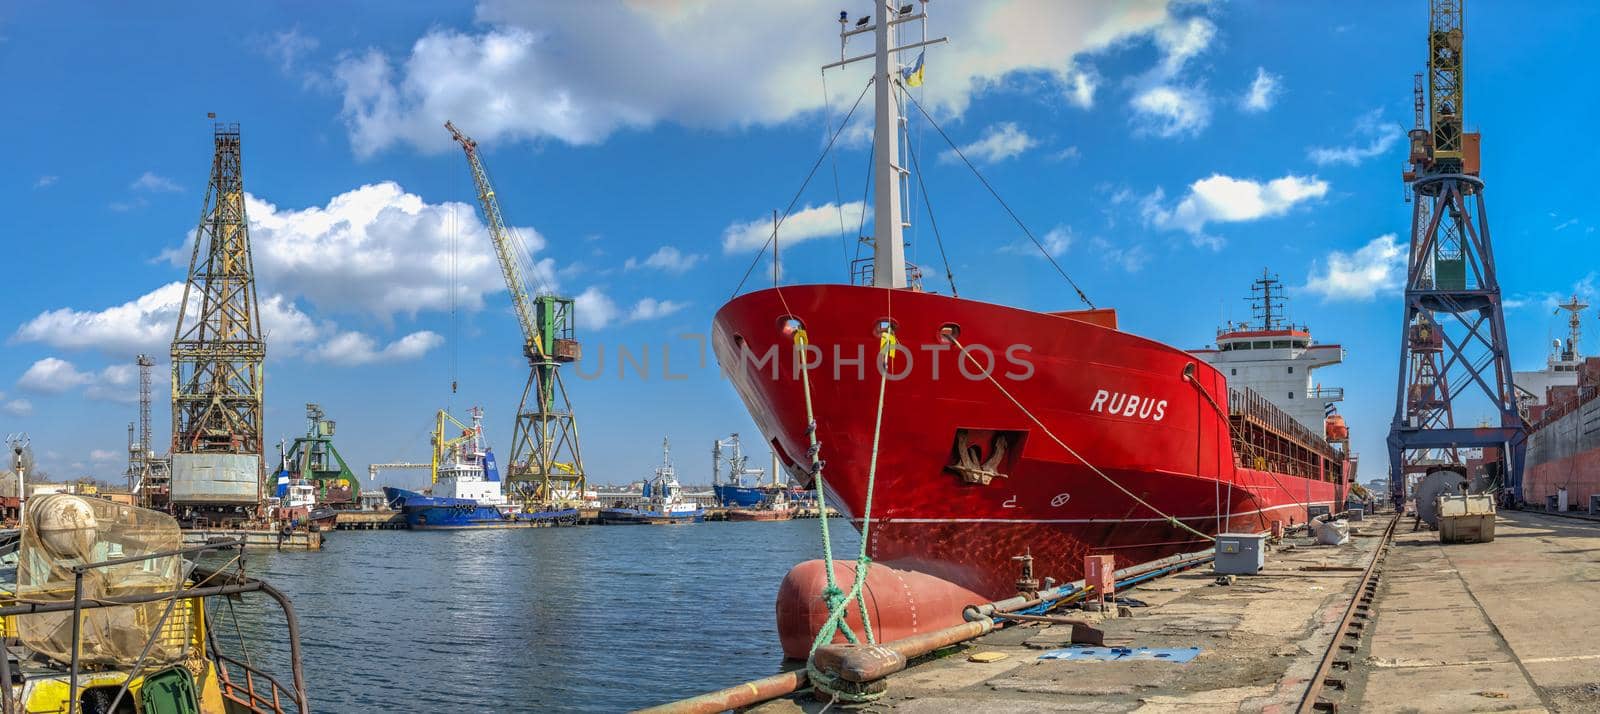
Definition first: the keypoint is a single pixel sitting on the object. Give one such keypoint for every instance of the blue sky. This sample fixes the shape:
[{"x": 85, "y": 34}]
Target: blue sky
[{"x": 1166, "y": 154}]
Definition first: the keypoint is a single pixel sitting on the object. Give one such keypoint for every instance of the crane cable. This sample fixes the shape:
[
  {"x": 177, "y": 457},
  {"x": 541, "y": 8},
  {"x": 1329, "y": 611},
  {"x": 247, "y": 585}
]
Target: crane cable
[{"x": 1003, "y": 204}]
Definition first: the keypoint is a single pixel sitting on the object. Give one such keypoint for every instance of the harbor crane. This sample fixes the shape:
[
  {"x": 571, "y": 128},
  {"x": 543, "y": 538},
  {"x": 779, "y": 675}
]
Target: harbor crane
[
  {"x": 546, "y": 461},
  {"x": 1453, "y": 335},
  {"x": 217, "y": 354}
]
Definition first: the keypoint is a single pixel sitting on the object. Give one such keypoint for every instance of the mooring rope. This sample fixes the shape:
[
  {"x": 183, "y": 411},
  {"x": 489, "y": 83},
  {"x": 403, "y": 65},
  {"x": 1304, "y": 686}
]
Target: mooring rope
[
  {"x": 838, "y": 601},
  {"x": 988, "y": 374}
]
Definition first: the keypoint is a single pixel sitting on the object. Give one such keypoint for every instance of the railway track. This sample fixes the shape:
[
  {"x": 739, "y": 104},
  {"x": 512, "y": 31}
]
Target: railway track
[{"x": 1335, "y": 664}]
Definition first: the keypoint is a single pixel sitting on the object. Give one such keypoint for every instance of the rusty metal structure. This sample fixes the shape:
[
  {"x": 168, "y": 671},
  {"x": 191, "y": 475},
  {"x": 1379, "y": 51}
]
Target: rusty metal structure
[
  {"x": 217, "y": 353},
  {"x": 1452, "y": 336},
  {"x": 546, "y": 461}
]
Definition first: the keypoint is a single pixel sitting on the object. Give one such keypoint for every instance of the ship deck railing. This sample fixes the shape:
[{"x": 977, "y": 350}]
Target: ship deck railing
[
  {"x": 232, "y": 584},
  {"x": 1266, "y": 437}
]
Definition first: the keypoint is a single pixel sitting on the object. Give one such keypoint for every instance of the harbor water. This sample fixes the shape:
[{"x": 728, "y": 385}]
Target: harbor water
[{"x": 550, "y": 619}]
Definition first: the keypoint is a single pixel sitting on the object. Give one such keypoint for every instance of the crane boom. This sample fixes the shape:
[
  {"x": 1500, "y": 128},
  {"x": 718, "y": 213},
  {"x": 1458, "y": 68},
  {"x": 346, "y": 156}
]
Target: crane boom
[{"x": 500, "y": 236}]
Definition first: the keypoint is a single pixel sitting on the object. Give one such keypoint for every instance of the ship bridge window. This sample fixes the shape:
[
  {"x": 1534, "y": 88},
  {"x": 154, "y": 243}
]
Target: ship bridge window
[
  {"x": 1280, "y": 343},
  {"x": 1300, "y": 344},
  {"x": 1233, "y": 372},
  {"x": 1291, "y": 395},
  {"x": 1291, "y": 369},
  {"x": 1260, "y": 345}
]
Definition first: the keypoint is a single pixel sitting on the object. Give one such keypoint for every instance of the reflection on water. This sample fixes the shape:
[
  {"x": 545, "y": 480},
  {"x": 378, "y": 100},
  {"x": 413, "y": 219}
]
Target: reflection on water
[{"x": 579, "y": 619}]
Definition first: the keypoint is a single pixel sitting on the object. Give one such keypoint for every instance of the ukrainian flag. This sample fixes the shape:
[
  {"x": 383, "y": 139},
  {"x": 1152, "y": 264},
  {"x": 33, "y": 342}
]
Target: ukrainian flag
[{"x": 913, "y": 74}]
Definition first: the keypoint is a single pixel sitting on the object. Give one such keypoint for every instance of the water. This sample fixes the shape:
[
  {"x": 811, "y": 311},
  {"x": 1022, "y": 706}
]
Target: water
[{"x": 550, "y": 619}]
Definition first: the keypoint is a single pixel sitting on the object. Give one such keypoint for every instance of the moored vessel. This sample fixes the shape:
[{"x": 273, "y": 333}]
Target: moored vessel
[
  {"x": 1561, "y": 403},
  {"x": 981, "y": 432},
  {"x": 661, "y": 501},
  {"x": 467, "y": 492}
]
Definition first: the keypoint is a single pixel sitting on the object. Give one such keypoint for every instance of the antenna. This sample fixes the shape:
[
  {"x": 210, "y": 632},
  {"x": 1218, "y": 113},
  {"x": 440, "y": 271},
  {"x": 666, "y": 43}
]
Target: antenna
[
  {"x": 1266, "y": 300},
  {"x": 1574, "y": 326}
]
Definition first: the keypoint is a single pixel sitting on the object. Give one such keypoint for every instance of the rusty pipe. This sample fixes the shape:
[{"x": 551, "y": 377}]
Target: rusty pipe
[
  {"x": 978, "y": 612},
  {"x": 867, "y": 663},
  {"x": 735, "y": 697}
]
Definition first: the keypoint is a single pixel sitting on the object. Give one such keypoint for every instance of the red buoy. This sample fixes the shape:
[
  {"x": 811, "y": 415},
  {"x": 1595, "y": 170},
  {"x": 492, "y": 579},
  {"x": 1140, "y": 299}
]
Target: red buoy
[{"x": 901, "y": 603}]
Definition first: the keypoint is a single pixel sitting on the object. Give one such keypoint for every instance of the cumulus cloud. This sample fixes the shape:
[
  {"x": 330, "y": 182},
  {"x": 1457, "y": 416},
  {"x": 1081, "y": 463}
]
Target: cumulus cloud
[
  {"x": 1225, "y": 199},
  {"x": 802, "y": 225},
  {"x": 1129, "y": 257},
  {"x": 1263, "y": 92},
  {"x": 154, "y": 183},
  {"x": 383, "y": 251},
  {"x": 999, "y": 142},
  {"x": 1055, "y": 242},
  {"x": 143, "y": 324},
  {"x": 667, "y": 259},
  {"x": 1374, "y": 138},
  {"x": 355, "y": 348},
  {"x": 52, "y": 376},
  {"x": 578, "y": 72},
  {"x": 1169, "y": 111},
  {"x": 596, "y": 310},
  {"x": 17, "y": 407},
  {"x": 1163, "y": 103},
  {"x": 1373, "y": 269}
]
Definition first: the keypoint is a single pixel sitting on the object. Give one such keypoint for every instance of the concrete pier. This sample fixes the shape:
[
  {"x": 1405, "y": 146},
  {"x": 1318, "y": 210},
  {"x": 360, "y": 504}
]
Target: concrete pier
[
  {"x": 1501, "y": 626},
  {"x": 1507, "y": 625}
]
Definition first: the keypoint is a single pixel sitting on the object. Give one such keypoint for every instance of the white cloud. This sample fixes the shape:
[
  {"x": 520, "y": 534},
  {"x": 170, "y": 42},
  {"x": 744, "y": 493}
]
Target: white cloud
[
  {"x": 1263, "y": 93},
  {"x": 143, "y": 324},
  {"x": 45, "y": 181},
  {"x": 355, "y": 348},
  {"x": 1066, "y": 154},
  {"x": 1183, "y": 40},
  {"x": 1225, "y": 199},
  {"x": 1170, "y": 111},
  {"x": 382, "y": 251},
  {"x": 154, "y": 183},
  {"x": 578, "y": 72},
  {"x": 103, "y": 456},
  {"x": 1131, "y": 258},
  {"x": 288, "y": 47},
  {"x": 802, "y": 225},
  {"x": 17, "y": 407},
  {"x": 651, "y": 308},
  {"x": 1380, "y": 136},
  {"x": 52, "y": 376},
  {"x": 596, "y": 310},
  {"x": 667, "y": 259},
  {"x": 1375, "y": 268},
  {"x": 999, "y": 142},
  {"x": 1055, "y": 242}
]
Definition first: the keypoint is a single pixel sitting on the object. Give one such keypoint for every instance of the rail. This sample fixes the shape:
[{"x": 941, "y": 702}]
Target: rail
[
  {"x": 234, "y": 584},
  {"x": 1266, "y": 437},
  {"x": 1359, "y": 609}
]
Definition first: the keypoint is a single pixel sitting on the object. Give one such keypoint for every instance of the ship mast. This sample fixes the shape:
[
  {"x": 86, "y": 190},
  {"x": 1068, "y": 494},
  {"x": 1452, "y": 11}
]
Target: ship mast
[{"x": 888, "y": 177}]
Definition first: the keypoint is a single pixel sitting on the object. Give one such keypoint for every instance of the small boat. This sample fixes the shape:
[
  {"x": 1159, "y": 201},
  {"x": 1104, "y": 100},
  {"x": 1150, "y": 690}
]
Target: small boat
[
  {"x": 661, "y": 502},
  {"x": 745, "y": 486},
  {"x": 775, "y": 508},
  {"x": 467, "y": 491},
  {"x": 154, "y": 651}
]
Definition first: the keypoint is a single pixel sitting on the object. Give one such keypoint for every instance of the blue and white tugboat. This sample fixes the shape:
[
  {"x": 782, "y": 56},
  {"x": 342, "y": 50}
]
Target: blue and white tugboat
[
  {"x": 467, "y": 491},
  {"x": 661, "y": 503}
]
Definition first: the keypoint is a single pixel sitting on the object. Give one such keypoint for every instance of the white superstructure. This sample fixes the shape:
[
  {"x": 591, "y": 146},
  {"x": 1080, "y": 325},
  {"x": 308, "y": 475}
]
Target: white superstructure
[
  {"x": 1277, "y": 360},
  {"x": 1560, "y": 367}
]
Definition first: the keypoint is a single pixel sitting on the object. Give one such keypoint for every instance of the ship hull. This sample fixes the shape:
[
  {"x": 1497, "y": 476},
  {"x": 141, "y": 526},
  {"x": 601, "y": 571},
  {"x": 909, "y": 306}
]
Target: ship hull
[
  {"x": 730, "y": 496},
  {"x": 639, "y": 517},
  {"x": 1142, "y": 439},
  {"x": 423, "y": 512},
  {"x": 1564, "y": 454},
  {"x": 754, "y": 514}
]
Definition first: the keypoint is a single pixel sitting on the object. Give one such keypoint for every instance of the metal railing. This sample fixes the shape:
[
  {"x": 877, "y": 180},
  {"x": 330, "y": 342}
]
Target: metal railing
[
  {"x": 237, "y": 584},
  {"x": 1330, "y": 394}
]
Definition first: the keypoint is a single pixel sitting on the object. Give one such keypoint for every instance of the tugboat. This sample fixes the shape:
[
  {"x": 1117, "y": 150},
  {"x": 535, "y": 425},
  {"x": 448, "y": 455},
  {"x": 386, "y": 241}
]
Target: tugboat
[
  {"x": 773, "y": 508},
  {"x": 661, "y": 503},
  {"x": 467, "y": 490},
  {"x": 66, "y": 570}
]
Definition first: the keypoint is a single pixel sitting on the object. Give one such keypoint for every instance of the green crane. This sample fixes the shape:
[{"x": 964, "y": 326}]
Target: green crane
[{"x": 546, "y": 463}]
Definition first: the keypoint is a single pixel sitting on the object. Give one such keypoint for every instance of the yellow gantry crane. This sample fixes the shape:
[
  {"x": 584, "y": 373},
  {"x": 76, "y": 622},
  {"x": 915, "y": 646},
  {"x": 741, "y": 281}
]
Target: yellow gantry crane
[{"x": 546, "y": 463}]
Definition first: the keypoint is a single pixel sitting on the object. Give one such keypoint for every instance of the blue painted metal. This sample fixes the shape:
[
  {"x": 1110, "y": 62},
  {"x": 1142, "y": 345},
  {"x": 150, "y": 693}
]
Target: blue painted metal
[
  {"x": 423, "y": 512},
  {"x": 1450, "y": 228},
  {"x": 1109, "y": 654}
]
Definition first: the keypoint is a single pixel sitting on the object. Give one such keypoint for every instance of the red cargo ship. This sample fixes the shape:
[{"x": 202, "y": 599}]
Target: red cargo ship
[{"x": 1003, "y": 431}]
